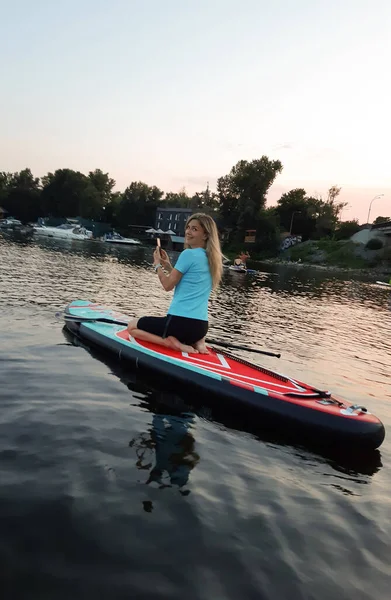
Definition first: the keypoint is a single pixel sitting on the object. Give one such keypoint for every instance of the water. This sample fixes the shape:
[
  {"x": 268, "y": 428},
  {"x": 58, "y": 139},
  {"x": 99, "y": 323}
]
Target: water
[{"x": 108, "y": 493}]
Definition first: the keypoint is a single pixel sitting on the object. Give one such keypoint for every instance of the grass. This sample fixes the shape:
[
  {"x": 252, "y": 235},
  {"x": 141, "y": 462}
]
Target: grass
[{"x": 335, "y": 254}]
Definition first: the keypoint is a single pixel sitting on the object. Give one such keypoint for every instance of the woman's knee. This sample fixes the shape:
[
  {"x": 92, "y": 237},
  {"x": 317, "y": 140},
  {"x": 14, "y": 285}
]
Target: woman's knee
[{"x": 132, "y": 325}]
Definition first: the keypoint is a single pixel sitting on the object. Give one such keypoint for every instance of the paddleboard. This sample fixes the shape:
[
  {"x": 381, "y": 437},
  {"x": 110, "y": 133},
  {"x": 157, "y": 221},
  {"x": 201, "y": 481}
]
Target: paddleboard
[{"x": 271, "y": 396}]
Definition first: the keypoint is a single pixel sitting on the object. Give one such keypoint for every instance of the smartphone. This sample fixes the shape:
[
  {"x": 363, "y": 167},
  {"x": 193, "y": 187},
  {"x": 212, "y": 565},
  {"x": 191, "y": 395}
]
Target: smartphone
[{"x": 158, "y": 244}]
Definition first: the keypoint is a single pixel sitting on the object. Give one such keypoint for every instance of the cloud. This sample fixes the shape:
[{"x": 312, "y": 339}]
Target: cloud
[
  {"x": 196, "y": 180},
  {"x": 285, "y": 146}
]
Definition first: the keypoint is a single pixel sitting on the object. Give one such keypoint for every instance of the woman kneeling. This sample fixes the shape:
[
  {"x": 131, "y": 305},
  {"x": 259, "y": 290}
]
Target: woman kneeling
[{"x": 197, "y": 271}]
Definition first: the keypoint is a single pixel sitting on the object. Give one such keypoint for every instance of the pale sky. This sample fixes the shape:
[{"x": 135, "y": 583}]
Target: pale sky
[{"x": 175, "y": 92}]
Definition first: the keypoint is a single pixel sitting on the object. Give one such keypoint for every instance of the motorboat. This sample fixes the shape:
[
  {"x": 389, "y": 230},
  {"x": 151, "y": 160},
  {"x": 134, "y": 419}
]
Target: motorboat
[
  {"x": 10, "y": 223},
  {"x": 66, "y": 231},
  {"x": 116, "y": 238}
]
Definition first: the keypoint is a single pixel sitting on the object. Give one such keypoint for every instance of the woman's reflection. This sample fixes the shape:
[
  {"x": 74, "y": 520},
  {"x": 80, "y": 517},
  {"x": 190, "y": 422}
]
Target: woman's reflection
[{"x": 167, "y": 451}]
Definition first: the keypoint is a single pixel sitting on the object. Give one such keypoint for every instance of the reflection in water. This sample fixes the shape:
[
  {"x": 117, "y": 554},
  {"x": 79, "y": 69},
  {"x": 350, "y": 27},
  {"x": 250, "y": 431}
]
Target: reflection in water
[{"x": 167, "y": 451}]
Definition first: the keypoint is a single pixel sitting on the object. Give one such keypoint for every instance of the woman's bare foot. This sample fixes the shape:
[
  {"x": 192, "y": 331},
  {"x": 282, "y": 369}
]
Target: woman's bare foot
[
  {"x": 201, "y": 347},
  {"x": 174, "y": 344}
]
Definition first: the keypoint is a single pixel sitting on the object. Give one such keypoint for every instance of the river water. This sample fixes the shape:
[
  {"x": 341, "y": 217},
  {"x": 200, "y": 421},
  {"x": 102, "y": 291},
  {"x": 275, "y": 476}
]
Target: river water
[{"x": 107, "y": 493}]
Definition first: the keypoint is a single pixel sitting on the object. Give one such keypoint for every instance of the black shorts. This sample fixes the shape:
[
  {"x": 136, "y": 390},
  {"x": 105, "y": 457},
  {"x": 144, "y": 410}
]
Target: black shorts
[{"x": 187, "y": 331}]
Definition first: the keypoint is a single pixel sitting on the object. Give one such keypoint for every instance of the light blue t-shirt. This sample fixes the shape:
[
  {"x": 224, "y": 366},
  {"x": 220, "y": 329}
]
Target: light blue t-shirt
[{"x": 192, "y": 293}]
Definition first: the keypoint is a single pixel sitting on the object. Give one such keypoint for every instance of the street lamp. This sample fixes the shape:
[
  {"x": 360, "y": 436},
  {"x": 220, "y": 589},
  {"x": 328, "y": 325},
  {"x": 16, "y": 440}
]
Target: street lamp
[
  {"x": 370, "y": 205},
  {"x": 295, "y": 212}
]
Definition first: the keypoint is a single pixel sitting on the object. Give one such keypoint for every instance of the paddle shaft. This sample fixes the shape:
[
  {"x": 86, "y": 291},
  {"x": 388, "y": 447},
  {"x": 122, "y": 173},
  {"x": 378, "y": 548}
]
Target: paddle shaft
[
  {"x": 80, "y": 319},
  {"x": 238, "y": 347}
]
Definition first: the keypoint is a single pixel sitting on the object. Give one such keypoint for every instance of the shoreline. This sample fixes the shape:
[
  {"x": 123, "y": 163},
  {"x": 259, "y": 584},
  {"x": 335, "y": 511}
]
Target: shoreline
[{"x": 386, "y": 272}]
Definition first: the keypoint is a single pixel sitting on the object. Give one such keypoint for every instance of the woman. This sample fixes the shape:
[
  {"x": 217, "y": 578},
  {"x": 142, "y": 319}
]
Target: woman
[{"x": 197, "y": 271}]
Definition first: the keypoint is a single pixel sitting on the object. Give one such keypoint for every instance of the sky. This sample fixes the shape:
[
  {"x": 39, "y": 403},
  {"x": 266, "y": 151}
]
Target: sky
[{"x": 175, "y": 92}]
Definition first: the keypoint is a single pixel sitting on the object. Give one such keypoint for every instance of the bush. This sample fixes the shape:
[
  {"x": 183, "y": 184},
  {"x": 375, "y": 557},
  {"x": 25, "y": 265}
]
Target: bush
[{"x": 374, "y": 244}]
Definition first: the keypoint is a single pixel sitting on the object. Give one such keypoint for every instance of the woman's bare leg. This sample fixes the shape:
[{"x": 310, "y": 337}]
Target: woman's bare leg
[{"x": 169, "y": 342}]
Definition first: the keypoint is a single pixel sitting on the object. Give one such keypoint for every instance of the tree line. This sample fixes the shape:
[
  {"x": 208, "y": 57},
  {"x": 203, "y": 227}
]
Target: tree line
[{"x": 238, "y": 204}]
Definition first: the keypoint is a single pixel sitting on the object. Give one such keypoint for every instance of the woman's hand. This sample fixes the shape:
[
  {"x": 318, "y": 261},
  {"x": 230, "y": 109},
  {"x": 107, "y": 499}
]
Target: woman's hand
[
  {"x": 164, "y": 260},
  {"x": 156, "y": 257},
  {"x": 160, "y": 256}
]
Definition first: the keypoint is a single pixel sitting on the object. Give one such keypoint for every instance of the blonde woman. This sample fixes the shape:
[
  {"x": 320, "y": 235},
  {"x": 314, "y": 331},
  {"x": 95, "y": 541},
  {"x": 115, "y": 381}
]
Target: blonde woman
[{"x": 197, "y": 271}]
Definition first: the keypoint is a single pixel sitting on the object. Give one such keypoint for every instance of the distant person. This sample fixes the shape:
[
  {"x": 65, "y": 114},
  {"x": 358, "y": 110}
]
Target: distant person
[
  {"x": 197, "y": 271},
  {"x": 240, "y": 260}
]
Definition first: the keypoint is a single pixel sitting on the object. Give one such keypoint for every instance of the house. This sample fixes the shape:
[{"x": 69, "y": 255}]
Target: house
[{"x": 173, "y": 220}]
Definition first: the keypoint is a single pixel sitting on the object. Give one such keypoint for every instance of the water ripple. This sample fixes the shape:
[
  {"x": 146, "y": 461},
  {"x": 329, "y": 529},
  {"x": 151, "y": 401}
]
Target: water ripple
[{"x": 115, "y": 487}]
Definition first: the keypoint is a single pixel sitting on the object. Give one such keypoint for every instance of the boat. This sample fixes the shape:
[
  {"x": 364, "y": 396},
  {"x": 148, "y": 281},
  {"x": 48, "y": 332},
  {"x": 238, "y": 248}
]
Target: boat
[
  {"x": 15, "y": 227},
  {"x": 384, "y": 284},
  {"x": 273, "y": 398},
  {"x": 116, "y": 238},
  {"x": 238, "y": 269},
  {"x": 10, "y": 223},
  {"x": 66, "y": 231}
]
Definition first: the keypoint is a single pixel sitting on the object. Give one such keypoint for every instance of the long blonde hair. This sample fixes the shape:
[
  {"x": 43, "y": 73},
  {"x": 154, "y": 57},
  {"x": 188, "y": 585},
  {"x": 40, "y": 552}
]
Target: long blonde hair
[{"x": 213, "y": 248}]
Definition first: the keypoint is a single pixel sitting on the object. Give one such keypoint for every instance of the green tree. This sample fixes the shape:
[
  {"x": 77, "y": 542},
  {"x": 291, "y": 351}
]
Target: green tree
[
  {"x": 68, "y": 193},
  {"x": 205, "y": 201},
  {"x": 177, "y": 199},
  {"x": 268, "y": 237},
  {"x": 5, "y": 180},
  {"x": 138, "y": 205},
  {"x": 21, "y": 195},
  {"x": 329, "y": 213},
  {"x": 297, "y": 212},
  {"x": 103, "y": 184},
  {"x": 381, "y": 220},
  {"x": 309, "y": 216},
  {"x": 292, "y": 209},
  {"x": 242, "y": 193},
  {"x": 346, "y": 229},
  {"x": 110, "y": 212}
]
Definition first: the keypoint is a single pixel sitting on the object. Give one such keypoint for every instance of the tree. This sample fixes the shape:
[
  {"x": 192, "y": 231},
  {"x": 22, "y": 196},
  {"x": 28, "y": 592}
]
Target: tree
[
  {"x": 346, "y": 229},
  {"x": 329, "y": 212},
  {"x": 111, "y": 210},
  {"x": 138, "y": 205},
  {"x": 103, "y": 184},
  {"x": 5, "y": 180},
  {"x": 292, "y": 209},
  {"x": 68, "y": 193},
  {"x": 205, "y": 201},
  {"x": 312, "y": 217},
  {"x": 242, "y": 193},
  {"x": 21, "y": 194},
  {"x": 268, "y": 237},
  {"x": 176, "y": 199},
  {"x": 298, "y": 212},
  {"x": 381, "y": 220}
]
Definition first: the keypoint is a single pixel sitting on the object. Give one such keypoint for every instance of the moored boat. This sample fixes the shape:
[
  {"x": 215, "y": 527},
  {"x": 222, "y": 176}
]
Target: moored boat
[
  {"x": 116, "y": 238},
  {"x": 66, "y": 231}
]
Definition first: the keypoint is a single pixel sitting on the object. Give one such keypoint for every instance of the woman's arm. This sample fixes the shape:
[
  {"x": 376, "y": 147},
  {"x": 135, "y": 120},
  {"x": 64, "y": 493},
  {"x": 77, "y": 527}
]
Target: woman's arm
[{"x": 170, "y": 280}]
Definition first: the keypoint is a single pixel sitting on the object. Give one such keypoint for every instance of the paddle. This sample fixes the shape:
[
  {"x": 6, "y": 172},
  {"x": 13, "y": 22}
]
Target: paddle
[
  {"x": 237, "y": 347},
  {"x": 79, "y": 319}
]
